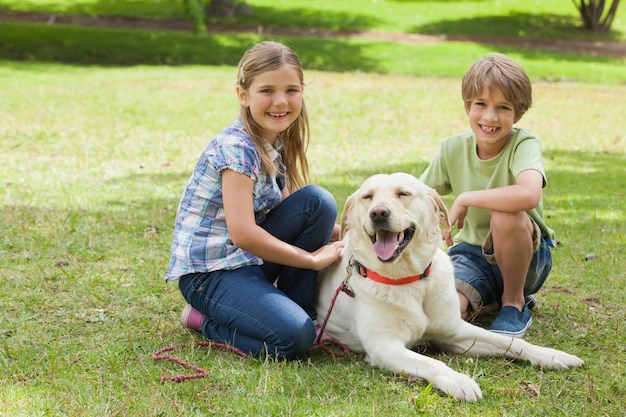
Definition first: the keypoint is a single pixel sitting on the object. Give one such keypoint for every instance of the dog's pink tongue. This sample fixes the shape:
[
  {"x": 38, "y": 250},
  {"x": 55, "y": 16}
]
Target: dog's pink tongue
[{"x": 386, "y": 244}]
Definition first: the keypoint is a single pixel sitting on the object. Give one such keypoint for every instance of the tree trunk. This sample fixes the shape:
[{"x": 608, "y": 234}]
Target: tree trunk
[
  {"x": 593, "y": 16},
  {"x": 227, "y": 8}
]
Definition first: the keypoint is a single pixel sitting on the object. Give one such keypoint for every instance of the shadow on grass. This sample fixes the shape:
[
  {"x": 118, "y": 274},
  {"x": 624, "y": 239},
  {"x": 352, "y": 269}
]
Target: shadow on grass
[
  {"x": 310, "y": 18},
  {"x": 266, "y": 16},
  {"x": 96, "y": 46},
  {"x": 516, "y": 24},
  {"x": 79, "y": 45}
]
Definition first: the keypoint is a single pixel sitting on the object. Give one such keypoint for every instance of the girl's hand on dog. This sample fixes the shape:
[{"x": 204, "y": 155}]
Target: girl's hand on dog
[{"x": 326, "y": 255}]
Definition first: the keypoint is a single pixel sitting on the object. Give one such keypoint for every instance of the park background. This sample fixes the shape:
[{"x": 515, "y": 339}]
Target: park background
[{"x": 101, "y": 124}]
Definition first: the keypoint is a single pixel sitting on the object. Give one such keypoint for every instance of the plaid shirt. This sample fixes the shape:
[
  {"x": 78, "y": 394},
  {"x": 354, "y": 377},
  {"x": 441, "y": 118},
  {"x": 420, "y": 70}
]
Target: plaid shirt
[{"x": 201, "y": 240}]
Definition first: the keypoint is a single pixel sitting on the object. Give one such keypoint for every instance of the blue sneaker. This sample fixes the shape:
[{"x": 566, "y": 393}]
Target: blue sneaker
[{"x": 512, "y": 322}]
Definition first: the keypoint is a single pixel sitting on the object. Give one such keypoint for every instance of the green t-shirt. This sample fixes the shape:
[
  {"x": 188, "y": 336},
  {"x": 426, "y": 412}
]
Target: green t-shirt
[{"x": 456, "y": 168}]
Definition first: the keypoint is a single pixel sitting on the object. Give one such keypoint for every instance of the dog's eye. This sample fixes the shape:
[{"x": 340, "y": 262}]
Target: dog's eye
[
  {"x": 367, "y": 196},
  {"x": 403, "y": 194}
]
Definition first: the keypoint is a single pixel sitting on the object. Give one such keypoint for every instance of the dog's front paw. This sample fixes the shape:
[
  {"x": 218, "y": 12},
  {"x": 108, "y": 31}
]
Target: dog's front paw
[
  {"x": 457, "y": 385},
  {"x": 556, "y": 359}
]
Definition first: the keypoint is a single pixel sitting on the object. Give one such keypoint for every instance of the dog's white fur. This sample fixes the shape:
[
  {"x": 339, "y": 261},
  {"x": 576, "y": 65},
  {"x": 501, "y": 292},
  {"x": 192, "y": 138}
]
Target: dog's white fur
[{"x": 386, "y": 321}]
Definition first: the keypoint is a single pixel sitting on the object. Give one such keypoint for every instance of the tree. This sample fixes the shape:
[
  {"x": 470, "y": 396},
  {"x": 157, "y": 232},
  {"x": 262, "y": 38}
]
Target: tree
[
  {"x": 199, "y": 9},
  {"x": 593, "y": 15},
  {"x": 195, "y": 9}
]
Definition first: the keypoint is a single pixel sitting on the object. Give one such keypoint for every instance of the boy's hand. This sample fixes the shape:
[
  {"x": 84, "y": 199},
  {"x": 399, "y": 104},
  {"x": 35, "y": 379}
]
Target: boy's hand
[
  {"x": 447, "y": 237},
  {"x": 456, "y": 215}
]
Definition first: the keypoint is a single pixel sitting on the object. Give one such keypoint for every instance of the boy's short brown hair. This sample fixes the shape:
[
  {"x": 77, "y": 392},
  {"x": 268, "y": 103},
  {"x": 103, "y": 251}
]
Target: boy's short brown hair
[{"x": 498, "y": 71}]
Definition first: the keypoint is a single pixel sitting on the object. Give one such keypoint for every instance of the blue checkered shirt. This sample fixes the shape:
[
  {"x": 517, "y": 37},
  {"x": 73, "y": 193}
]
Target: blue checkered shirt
[{"x": 201, "y": 240}]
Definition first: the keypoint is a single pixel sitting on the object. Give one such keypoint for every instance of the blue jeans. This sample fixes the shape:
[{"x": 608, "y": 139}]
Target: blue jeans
[
  {"x": 481, "y": 282},
  {"x": 243, "y": 306}
]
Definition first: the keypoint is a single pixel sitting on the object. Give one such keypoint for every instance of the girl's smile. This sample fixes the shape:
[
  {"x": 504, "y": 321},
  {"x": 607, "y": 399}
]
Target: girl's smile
[{"x": 274, "y": 99}]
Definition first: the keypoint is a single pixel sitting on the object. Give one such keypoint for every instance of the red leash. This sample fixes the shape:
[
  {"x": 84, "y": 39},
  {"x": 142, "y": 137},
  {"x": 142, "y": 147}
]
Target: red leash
[
  {"x": 159, "y": 356},
  {"x": 321, "y": 343}
]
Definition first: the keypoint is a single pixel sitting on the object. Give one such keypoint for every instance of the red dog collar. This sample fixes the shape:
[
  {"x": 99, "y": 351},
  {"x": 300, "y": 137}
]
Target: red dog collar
[{"x": 368, "y": 273}]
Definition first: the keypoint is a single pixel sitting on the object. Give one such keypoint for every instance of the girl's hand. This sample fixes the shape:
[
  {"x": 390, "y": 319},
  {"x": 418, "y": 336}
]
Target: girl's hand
[
  {"x": 327, "y": 255},
  {"x": 336, "y": 233},
  {"x": 247, "y": 235}
]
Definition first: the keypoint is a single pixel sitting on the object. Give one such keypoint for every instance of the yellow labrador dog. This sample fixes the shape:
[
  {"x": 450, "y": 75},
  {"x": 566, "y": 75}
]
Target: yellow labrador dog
[{"x": 403, "y": 289}]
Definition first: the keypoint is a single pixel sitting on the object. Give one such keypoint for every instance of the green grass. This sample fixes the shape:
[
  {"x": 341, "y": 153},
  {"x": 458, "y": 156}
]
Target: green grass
[
  {"x": 93, "y": 161},
  {"x": 544, "y": 19},
  {"x": 99, "y": 138},
  {"x": 124, "y": 47},
  {"x": 95, "y": 46}
]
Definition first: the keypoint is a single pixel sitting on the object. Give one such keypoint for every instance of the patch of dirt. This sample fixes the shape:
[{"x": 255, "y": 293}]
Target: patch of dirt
[{"x": 614, "y": 49}]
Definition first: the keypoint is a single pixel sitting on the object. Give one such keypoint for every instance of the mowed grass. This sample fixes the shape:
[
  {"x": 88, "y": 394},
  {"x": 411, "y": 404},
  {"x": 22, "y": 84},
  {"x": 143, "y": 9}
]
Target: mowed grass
[
  {"x": 57, "y": 42},
  {"x": 93, "y": 162},
  {"x": 98, "y": 138},
  {"x": 539, "y": 19}
]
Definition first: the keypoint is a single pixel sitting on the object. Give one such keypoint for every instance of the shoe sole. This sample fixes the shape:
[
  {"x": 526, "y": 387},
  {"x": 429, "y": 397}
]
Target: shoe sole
[
  {"x": 517, "y": 335},
  {"x": 184, "y": 315}
]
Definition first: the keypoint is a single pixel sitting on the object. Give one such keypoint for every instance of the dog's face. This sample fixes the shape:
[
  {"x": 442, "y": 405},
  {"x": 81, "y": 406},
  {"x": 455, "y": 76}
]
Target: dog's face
[{"x": 389, "y": 214}]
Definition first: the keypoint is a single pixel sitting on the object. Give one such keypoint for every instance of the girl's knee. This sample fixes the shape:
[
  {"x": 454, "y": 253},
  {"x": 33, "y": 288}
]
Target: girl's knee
[
  {"x": 321, "y": 201},
  {"x": 299, "y": 341},
  {"x": 324, "y": 196}
]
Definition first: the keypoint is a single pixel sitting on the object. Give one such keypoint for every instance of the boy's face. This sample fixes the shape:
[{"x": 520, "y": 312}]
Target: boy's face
[{"x": 491, "y": 118}]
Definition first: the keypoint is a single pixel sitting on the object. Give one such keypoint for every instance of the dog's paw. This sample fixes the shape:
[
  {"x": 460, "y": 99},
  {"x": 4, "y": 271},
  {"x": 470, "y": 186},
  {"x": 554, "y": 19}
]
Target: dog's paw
[
  {"x": 457, "y": 385},
  {"x": 556, "y": 359}
]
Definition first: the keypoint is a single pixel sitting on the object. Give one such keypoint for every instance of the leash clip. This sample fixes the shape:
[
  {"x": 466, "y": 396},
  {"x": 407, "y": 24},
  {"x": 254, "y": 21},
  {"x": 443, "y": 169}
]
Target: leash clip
[{"x": 344, "y": 285}]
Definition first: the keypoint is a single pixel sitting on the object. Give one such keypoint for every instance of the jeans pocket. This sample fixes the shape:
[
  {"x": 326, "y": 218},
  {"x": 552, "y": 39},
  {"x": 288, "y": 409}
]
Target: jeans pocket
[{"x": 190, "y": 283}]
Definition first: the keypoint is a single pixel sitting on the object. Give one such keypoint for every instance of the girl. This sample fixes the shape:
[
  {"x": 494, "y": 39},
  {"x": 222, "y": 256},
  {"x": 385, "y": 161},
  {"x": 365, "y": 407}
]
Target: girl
[{"x": 250, "y": 233}]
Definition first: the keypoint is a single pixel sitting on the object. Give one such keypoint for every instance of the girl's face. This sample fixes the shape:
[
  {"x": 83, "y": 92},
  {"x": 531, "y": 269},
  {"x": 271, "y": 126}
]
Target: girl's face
[
  {"x": 491, "y": 118},
  {"x": 275, "y": 100}
]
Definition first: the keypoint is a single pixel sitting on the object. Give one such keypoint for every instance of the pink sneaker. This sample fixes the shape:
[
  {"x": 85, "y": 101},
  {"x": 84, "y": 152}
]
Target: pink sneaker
[{"x": 191, "y": 318}]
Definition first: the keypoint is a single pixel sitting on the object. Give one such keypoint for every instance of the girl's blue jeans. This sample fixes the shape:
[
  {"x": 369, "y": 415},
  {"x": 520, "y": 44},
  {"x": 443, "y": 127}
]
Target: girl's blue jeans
[{"x": 268, "y": 309}]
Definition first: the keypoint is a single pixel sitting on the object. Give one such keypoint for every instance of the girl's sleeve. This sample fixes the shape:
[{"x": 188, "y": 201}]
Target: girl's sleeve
[{"x": 238, "y": 156}]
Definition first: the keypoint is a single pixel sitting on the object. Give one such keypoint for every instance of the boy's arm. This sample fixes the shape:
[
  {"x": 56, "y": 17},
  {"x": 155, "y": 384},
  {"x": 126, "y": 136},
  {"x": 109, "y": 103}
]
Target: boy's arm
[{"x": 524, "y": 195}]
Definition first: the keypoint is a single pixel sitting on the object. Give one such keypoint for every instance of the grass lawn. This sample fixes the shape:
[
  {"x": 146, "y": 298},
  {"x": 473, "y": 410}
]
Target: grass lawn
[
  {"x": 94, "y": 158},
  {"x": 542, "y": 19}
]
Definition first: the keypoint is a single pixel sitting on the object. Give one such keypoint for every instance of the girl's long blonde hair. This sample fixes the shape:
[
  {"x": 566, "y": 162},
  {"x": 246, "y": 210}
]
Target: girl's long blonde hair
[{"x": 269, "y": 56}]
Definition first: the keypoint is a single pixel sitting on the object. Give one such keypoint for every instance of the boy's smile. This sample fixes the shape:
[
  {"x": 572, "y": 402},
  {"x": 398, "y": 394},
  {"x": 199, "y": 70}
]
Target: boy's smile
[
  {"x": 491, "y": 118},
  {"x": 489, "y": 129}
]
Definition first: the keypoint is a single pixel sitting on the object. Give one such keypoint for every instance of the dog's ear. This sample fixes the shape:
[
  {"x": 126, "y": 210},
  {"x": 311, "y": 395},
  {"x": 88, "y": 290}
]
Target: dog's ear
[
  {"x": 440, "y": 208},
  {"x": 345, "y": 216}
]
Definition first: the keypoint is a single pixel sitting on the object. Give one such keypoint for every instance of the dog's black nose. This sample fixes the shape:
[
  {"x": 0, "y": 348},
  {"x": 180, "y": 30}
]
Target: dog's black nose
[{"x": 379, "y": 214}]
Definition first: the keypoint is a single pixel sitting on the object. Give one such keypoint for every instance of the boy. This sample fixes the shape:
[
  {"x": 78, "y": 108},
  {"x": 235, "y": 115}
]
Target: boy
[{"x": 501, "y": 254}]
